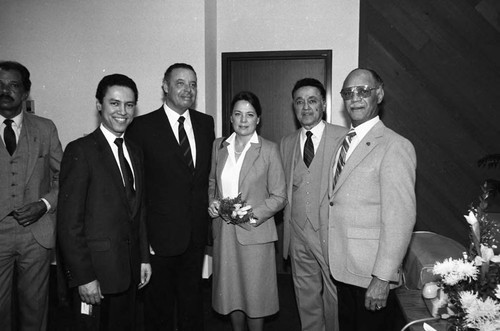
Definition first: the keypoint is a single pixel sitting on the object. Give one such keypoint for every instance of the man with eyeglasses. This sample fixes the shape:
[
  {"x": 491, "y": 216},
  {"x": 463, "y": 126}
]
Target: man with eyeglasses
[
  {"x": 307, "y": 156},
  {"x": 372, "y": 208},
  {"x": 30, "y": 154}
]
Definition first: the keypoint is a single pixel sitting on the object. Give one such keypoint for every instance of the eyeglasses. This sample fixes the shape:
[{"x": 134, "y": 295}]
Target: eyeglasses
[{"x": 362, "y": 91}]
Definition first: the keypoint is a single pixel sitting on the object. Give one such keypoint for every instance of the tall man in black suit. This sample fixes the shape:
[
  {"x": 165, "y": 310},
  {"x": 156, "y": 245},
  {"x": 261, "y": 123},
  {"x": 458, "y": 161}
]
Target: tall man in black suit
[
  {"x": 101, "y": 217},
  {"x": 177, "y": 143}
]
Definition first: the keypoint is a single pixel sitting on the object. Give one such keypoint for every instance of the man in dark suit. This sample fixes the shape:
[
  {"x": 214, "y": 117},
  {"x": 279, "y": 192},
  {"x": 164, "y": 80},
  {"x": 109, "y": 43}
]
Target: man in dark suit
[
  {"x": 30, "y": 155},
  {"x": 176, "y": 141},
  {"x": 101, "y": 217},
  {"x": 372, "y": 209}
]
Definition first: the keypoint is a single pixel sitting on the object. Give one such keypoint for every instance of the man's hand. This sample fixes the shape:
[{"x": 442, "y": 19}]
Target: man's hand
[
  {"x": 30, "y": 213},
  {"x": 146, "y": 272},
  {"x": 91, "y": 292},
  {"x": 376, "y": 294}
]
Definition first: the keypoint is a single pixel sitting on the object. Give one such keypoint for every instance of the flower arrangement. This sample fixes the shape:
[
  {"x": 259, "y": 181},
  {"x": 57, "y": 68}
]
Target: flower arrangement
[
  {"x": 236, "y": 211},
  {"x": 472, "y": 284}
]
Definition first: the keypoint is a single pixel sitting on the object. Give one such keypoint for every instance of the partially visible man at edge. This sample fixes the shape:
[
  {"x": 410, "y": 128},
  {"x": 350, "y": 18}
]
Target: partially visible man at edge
[
  {"x": 307, "y": 156},
  {"x": 30, "y": 157},
  {"x": 372, "y": 208},
  {"x": 177, "y": 144}
]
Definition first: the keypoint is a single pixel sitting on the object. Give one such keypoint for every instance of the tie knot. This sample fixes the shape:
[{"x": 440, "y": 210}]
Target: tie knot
[
  {"x": 181, "y": 120},
  {"x": 119, "y": 142},
  {"x": 309, "y": 134},
  {"x": 8, "y": 122},
  {"x": 351, "y": 133}
]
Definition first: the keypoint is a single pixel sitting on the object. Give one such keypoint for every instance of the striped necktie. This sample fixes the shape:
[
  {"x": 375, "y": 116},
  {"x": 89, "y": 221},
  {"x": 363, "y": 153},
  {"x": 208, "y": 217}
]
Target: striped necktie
[
  {"x": 308, "y": 149},
  {"x": 343, "y": 152},
  {"x": 184, "y": 144}
]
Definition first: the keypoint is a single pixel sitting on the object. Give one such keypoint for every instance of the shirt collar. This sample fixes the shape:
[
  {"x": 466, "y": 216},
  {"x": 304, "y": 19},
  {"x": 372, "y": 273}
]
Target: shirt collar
[
  {"x": 173, "y": 116},
  {"x": 317, "y": 130},
  {"x": 110, "y": 137},
  {"x": 18, "y": 119},
  {"x": 362, "y": 129},
  {"x": 253, "y": 140}
]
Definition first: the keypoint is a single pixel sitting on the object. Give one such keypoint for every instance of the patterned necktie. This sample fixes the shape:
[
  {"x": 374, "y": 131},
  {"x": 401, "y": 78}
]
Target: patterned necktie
[
  {"x": 184, "y": 144},
  {"x": 308, "y": 149},
  {"x": 9, "y": 137},
  {"x": 128, "y": 177},
  {"x": 343, "y": 152}
]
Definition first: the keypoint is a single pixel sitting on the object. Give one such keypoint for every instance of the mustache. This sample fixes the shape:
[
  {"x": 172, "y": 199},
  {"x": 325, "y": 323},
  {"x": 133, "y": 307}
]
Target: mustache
[{"x": 6, "y": 96}]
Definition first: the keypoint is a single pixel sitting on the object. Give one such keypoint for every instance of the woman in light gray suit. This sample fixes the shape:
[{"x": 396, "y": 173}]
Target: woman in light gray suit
[{"x": 244, "y": 267}]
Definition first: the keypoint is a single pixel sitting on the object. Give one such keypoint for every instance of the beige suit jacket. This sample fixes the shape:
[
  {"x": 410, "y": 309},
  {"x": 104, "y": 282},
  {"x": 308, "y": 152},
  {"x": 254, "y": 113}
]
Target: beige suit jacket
[
  {"x": 373, "y": 209},
  {"x": 261, "y": 183},
  {"x": 333, "y": 135},
  {"x": 42, "y": 174}
]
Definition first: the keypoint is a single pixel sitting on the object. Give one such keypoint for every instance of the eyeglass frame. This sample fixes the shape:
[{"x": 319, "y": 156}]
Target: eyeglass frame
[{"x": 359, "y": 90}]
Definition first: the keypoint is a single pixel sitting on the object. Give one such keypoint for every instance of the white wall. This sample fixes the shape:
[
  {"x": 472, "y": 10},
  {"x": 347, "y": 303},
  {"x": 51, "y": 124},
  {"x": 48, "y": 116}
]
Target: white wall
[
  {"x": 69, "y": 45},
  {"x": 267, "y": 25}
]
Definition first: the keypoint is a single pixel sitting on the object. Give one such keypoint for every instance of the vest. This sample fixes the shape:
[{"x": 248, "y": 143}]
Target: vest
[
  {"x": 13, "y": 176},
  {"x": 306, "y": 188}
]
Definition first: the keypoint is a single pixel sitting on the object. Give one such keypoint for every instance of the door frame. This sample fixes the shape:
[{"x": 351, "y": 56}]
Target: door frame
[{"x": 229, "y": 58}]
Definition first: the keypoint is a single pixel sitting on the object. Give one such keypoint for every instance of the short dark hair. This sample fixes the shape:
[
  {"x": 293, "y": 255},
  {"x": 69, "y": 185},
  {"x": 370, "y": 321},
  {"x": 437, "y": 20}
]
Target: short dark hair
[
  {"x": 250, "y": 97},
  {"x": 22, "y": 70},
  {"x": 310, "y": 82},
  {"x": 115, "y": 80},
  {"x": 174, "y": 66}
]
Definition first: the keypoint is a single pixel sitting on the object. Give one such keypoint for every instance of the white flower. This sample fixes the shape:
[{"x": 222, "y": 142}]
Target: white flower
[
  {"x": 453, "y": 271},
  {"x": 467, "y": 298},
  {"x": 471, "y": 218},
  {"x": 479, "y": 312},
  {"x": 486, "y": 253},
  {"x": 497, "y": 292}
]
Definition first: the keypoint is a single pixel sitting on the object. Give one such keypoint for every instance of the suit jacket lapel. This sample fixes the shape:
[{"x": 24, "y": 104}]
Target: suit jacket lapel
[
  {"x": 134, "y": 156},
  {"x": 330, "y": 149},
  {"x": 291, "y": 161},
  {"x": 365, "y": 146},
  {"x": 110, "y": 164},
  {"x": 250, "y": 157},
  {"x": 33, "y": 141},
  {"x": 222, "y": 156}
]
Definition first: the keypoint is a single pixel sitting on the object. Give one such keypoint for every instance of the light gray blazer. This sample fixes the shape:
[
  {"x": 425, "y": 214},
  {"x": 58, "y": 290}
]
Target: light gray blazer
[
  {"x": 373, "y": 209},
  {"x": 261, "y": 183}
]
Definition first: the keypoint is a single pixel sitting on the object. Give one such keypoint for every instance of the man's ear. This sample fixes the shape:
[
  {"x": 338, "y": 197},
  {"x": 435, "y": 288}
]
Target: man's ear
[
  {"x": 98, "y": 106},
  {"x": 380, "y": 94},
  {"x": 164, "y": 86}
]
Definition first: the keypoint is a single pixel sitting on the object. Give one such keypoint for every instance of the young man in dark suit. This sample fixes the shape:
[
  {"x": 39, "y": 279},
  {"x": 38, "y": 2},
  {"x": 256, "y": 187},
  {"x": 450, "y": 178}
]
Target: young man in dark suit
[
  {"x": 177, "y": 142},
  {"x": 101, "y": 217}
]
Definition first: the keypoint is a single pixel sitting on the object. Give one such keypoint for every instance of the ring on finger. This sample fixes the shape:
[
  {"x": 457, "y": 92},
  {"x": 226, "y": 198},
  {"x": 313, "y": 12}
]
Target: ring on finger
[{"x": 377, "y": 307}]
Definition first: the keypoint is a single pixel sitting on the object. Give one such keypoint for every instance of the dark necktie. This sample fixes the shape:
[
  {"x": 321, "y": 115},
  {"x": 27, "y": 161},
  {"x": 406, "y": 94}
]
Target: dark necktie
[
  {"x": 128, "y": 177},
  {"x": 184, "y": 144},
  {"x": 308, "y": 149},
  {"x": 9, "y": 137},
  {"x": 343, "y": 152}
]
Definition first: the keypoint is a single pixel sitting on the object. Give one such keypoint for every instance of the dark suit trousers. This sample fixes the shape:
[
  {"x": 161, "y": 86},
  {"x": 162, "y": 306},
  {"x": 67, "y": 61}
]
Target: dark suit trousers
[
  {"x": 175, "y": 287},
  {"x": 116, "y": 312},
  {"x": 353, "y": 316},
  {"x": 20, "y": 250}
]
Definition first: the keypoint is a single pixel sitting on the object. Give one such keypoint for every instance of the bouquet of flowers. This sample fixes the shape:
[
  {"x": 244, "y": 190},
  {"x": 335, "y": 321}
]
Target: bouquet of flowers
[
  {"x": 236, "y": 211},
  {"x": 472, "y": 283}
]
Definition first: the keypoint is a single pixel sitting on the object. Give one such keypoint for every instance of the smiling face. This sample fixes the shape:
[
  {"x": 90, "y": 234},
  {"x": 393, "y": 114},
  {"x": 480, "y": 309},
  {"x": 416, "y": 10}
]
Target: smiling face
[
  {"x": 309, "y": 106},
  {"x": 362, "y": 109},
  {"x": 12, "y": 93},
  {"x": 244, "y": 118},
  {"x": 117, "y": 109},
  {"x": 180, "y": 90}
]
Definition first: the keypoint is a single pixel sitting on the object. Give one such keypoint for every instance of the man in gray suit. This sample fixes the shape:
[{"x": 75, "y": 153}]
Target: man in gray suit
[
  {"x": 372, "y": 209},
  {"x": 30, "y": 155},
  {"x": 307, "y": 156}
]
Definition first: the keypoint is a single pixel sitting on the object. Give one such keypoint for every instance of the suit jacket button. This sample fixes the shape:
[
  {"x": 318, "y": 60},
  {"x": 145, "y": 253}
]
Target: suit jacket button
[{"x": 331, "y": 203}]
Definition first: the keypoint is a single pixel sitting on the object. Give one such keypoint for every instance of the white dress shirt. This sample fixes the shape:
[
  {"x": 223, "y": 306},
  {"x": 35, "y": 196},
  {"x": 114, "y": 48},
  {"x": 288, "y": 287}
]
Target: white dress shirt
[
  {"x": 110, "y": 138},
  {"x": 317, "y": 133}
]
